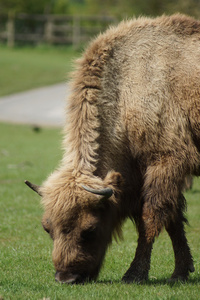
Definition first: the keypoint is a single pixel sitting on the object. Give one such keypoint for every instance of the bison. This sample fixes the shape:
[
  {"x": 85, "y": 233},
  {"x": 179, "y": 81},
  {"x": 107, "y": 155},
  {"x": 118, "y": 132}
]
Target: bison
[{"x": 132, "y": 136}]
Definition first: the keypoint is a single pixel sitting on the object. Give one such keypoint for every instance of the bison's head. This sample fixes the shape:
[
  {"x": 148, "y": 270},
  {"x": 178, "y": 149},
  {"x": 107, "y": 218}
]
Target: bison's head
[{"x": 80, "y": 216}]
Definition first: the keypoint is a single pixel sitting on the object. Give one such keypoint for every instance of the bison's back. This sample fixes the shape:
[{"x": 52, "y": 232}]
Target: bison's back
[{"x": 153, "y": 79}]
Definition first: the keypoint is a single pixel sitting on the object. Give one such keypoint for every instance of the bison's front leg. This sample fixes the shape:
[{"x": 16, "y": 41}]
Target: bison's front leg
[
  {"x": 139, "y": 268},
  {"x": 183, "y": 257}
]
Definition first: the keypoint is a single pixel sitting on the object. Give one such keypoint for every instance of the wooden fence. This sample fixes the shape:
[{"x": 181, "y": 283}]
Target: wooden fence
[{"x": 52, "y": 29}]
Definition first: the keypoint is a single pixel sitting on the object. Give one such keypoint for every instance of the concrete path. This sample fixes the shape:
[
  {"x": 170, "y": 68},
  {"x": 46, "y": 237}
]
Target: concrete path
[{"x": 39, "y": 107}]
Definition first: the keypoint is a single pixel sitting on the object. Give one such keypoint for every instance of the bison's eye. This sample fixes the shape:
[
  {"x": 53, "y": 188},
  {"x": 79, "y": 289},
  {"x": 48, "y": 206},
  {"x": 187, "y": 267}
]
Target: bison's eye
[{"x": 88, "y": 234}]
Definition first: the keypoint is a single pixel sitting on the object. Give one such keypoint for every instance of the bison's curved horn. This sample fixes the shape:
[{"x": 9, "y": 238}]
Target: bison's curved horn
[
  {"x": 107, "y": 192},
  {"x": 34, "y": 187}
]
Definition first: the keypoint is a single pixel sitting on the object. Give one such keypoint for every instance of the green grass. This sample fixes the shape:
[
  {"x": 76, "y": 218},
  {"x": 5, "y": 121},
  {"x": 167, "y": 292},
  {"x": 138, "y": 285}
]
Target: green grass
[
  {"x": 26, "y": 68},
  {"x": 26, "y": 269}
]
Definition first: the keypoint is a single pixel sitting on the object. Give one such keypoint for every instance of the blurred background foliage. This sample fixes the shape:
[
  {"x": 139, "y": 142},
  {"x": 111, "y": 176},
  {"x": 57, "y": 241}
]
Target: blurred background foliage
[{"x": 118, "y": 8}]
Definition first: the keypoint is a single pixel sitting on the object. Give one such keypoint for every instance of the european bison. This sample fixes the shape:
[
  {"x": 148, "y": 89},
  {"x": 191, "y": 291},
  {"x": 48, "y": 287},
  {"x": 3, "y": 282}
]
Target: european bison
[{"x": 132, "y": 136}]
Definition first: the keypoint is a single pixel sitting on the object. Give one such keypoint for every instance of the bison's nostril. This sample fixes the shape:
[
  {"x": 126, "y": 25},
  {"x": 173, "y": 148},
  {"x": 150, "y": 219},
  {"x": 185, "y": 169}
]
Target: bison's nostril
[{"x": 65, "y": 277}]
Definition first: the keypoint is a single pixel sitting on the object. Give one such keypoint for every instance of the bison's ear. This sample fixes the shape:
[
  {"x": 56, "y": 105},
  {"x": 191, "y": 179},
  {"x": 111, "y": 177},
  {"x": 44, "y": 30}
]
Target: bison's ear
[{"x": 114, "y": 180}]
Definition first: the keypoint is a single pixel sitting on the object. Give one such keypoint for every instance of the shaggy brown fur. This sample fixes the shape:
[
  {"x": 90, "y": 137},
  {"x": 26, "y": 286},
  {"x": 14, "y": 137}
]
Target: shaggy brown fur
[{"x": 133, "y": 124}]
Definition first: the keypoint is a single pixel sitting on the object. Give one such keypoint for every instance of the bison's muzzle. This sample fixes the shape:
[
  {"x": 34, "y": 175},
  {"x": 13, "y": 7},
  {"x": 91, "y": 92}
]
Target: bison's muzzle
[{"x": 66, "y": 277}]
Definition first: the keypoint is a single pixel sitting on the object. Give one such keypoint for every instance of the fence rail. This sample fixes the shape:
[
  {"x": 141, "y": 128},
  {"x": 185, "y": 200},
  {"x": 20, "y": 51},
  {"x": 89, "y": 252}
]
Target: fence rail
[{"x": 51, "y": 29}]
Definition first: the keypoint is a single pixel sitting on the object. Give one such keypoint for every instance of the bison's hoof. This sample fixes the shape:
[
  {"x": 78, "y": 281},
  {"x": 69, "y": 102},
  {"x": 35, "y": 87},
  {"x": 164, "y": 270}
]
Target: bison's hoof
[
  {"x": 182, "y": 276},
  {"x": 134, "y": 278},
  {"x": 175, "y": 279}
]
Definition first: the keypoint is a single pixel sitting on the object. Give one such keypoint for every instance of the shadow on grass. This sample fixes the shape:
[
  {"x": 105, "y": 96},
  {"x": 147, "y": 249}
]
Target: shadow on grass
[{"x": 151, "y": 282}]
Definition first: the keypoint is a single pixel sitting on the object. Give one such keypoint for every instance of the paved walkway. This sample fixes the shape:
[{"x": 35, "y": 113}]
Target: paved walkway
[{"x": 42, "y": 107}]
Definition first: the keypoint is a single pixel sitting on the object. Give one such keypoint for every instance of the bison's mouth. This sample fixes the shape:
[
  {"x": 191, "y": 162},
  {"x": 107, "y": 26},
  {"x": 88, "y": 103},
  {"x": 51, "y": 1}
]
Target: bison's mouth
[
  {"x": 69, "y": 278},
  {"x": 64, "y": 277}
]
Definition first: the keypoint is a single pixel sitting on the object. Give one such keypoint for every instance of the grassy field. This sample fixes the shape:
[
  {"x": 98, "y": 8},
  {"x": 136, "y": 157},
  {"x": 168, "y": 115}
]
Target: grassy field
[
  {"x": 26, "y": 269},
  {"x": 27, "y": 68}
]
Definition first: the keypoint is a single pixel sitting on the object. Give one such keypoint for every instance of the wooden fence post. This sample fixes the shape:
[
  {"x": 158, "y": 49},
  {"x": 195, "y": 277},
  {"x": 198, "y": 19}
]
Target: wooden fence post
[
  {"x": 11, "y": 30},
  {"x": 48, "y": 33},
  {"x": 76, "y": 32}
]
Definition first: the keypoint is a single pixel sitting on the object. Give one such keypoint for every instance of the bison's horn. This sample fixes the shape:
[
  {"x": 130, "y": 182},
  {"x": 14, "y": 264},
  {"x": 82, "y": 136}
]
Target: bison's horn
[
  {"x": 34, "y": 187},
  {"x": 107, "y": 192}
]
